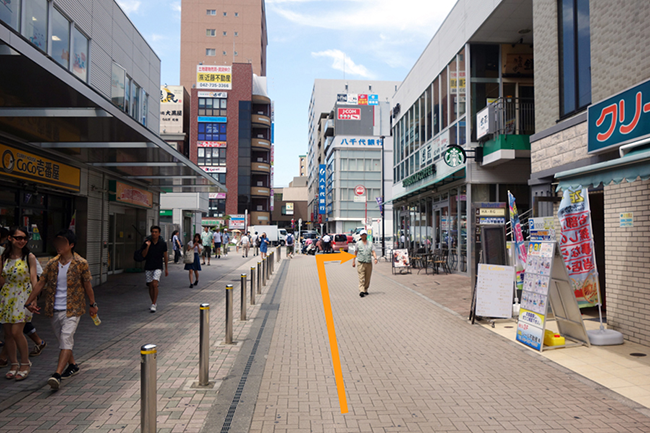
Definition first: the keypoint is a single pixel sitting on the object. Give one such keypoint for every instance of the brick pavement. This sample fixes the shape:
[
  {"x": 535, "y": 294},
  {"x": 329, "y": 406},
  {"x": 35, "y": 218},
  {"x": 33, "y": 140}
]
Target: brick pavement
[
  {"x": 410, "y": 366},
  {"x": 105, "y": 397}
]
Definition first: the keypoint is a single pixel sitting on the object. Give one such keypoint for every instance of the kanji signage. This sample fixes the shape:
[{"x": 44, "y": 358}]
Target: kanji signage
[
  {"x": 577, "y": 245},
  {"x": 349, "y": 113},
  {"x": 123, "y": 193},
  {"x": 214, "y": 77},
  {"x": 620, "y": 119},
  {"x": 28, "y": 166},
  {"x": 171, "y": 109},
  {"x": 340, "y": 141},
  {"x": 322, "y": 194}
]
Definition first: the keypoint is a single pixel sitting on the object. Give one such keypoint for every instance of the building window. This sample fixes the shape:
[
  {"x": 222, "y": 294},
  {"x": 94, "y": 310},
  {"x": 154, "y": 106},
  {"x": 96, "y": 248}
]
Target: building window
[
  {"x": 213, "y": 106},
  {"x": 211, "y": 156},
  {"x": 225, "y": 53},
  {"x": 211, "y": 32},
  {"x": 117, "y": 85},
  {"x": 217, "y": 207},
  {"x": 219, "y": 177},
  {"x": 210, "y": 52},
  {"x": 135, "y": 100},
  {"x": 225, "y": 33},
  {"x": 36, "y": 23},
  {"x": 225, "y": 14},
  {"x": 236, "y": 53},
  {"x": 211, "y": 12},
  {"x": 212, "y": 132},
  {"x": 79, "y": 54},
  {"x": 145, "y": 107},
  {"x": 60, "y": 38},
  {"x": 236, "y": 33},
  {"x": 236, "y": 14},
  {"x": 11, "y": 15},
  {"x": 575, "y": 56}
]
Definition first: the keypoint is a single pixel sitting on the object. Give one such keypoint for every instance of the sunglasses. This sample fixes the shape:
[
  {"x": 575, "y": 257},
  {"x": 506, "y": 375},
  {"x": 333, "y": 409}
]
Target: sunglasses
[{"x": 20, "y": 238}]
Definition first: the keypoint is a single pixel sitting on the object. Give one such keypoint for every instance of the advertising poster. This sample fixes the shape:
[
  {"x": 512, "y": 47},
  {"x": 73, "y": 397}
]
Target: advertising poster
[
  {"x": 401, "y": 258},
  {"x": 322, "y": 194},
  {"x": 542, "y": 229},
  {"x": 171, "y": 109},
  {"x": 518, "y": 241},
  {"x": 349, "y": 114},
  {"x": 577, "y": 246},
  {"x": 494, "y": 291},
  {"x": 214, "y": 77}
]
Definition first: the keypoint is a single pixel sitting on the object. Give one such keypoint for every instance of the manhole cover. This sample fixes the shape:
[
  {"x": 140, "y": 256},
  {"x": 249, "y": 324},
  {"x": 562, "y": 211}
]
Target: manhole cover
[{"x": 638, "y": 354}]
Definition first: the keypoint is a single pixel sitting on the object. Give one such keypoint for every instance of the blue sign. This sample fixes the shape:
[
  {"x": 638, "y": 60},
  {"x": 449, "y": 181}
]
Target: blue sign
[
  {"x": 373, "y": 99},
  {"x": 619, "y": 119},
  {"x": 322, "y": 195},
  {"x": 212, "y": 119}
]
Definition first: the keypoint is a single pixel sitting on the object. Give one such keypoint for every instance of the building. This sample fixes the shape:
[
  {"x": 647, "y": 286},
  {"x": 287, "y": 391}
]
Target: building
[
  {"x": 230, "y": 138},
  {"x": 480, "y": 55},
  {"x": 593, "y": 131},
  {"x": 222, "y": 32},
  {"x": 303, "y": 165},
  {"x": 79, "y": 88},
  {"x": 336, "y": 138},
  {"x": 291, "y": 205}
]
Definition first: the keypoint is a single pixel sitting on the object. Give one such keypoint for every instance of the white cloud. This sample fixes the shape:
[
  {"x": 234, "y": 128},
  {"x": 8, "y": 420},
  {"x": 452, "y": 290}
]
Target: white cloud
[
  {"x": 156, "y": 37},
  {"x": 343, "y": 62},
  {"x": 176, "y": 6},
  {"x": 129, "y": 6}
]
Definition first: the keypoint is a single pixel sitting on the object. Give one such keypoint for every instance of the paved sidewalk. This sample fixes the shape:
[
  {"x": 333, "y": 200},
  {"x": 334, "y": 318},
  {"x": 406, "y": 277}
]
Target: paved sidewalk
[
  {"x": 106, "y": 396},
  {"x": 410, "y": 366}
]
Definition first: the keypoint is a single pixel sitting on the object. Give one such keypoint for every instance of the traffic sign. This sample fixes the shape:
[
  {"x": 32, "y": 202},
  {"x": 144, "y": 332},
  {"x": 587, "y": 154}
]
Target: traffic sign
[{"x": 359, "y": 190}]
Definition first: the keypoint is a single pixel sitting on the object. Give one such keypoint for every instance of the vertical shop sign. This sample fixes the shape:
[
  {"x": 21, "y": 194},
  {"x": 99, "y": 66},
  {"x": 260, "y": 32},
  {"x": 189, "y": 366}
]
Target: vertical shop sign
[
  {"x": 577, "y": 245},
  {"x": 322, "y": 182},
  {"x": 518, "y": 237}
]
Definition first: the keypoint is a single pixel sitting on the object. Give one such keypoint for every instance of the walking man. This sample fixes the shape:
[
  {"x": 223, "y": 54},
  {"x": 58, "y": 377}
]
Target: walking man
[
  {"x": 226, "y": 241},
  {"x": 216, "y": 237},
  {"x": 245, "y": 242},
  {"x": 206, "y": 239},
  {"x": 154, "y": 253},
  {"x": 255, "y": 240},
  {"x": 290, "y": 244},
  {"x": 364, "y": 253},
  {"x": 65, "y": 283}
]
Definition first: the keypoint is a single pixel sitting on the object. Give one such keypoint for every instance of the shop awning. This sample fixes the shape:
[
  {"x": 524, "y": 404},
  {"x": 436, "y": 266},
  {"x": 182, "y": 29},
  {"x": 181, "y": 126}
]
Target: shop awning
[
  {"x": 45, "y": 108},
  {"x": 630, "y": 167},
  {"x": 450, "y": 177}
]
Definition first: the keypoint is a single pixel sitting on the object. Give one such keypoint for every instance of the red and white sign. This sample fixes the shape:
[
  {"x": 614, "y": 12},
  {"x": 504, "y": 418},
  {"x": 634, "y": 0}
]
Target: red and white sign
[
  {"x": 213, "y": 94},
  {"x": 214, "y": 169},
  {"x": 211, "y": 144},
  {"x": 349, "y": 114},
  {"x": 359, "y": 190},
  {"x": 218, "y": 195},
  {"x": 320, "y": 219}
]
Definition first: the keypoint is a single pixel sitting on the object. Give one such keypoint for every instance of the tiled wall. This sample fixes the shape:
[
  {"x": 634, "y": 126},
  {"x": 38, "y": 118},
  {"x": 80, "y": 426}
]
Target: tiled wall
[{"x": 566, "y": 146}]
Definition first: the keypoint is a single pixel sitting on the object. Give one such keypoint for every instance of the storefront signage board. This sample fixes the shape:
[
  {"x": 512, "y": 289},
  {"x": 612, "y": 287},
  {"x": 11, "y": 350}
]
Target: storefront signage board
[
  {"x": 214, "y": 169},
  {"x": 420, "y": 175},
  {"x": 349, "y": 114},
  {"x": 454, "y": 156},
  {"x": 357, "y": 99},
  {"x": 542, "y": 229},
  {"x": 217, "y": 195},
  {"x": 214, "y": 77},
  {"x": 322, "y": 195},
  {"x": 627, "y": 219},
  {"x": 171, "y": 109},
  {"x": 237, "y": 222},
  {"x": 212, "y": 143},
  {"x": 222, "y": 95},
  {"x": 494, "y": 291},
  {"x": 123, "y": 193},
  {"x": 620, "y": 119},
  {"x": 347, "y": 141},
  {"x": 31, "y": 167}
]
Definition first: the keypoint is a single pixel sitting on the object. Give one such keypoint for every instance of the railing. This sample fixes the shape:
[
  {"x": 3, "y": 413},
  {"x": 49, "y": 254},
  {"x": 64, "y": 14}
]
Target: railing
[
  {"x": 515, "y": 116},
  {"x": 523, "y": 220}
]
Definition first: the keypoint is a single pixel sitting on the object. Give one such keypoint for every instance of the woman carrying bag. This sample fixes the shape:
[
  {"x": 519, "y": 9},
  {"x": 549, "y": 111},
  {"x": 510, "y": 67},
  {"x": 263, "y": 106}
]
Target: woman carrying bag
[
  {"x": 177, "y": 246},
  {"x": 192, "y": 258}
]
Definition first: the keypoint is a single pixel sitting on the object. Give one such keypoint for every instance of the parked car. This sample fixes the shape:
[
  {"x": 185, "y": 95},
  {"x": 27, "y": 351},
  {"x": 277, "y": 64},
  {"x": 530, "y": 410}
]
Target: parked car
[
  {"x": 308, "y": 234},
  {"x": 340, "y": 242},
  {"x": 350, "y": 238}
]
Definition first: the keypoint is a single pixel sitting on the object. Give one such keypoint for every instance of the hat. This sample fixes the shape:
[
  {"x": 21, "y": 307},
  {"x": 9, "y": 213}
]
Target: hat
[{"x": 363, "y": 232}]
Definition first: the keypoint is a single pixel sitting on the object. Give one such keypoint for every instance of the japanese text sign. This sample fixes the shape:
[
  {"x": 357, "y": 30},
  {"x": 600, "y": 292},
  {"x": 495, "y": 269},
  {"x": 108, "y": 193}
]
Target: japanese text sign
[
  {"x": 349, "y": 114},
  {"x": 124, "y": 193},
  {"x": 619, "y": 119},
  {"x": 322, "y": 194},
  {"x": 28, "y": 166},
  {"x": 213, "y": 77},
  {"x": 577, "y": 246},
  {"x": 171, "y": 109}
]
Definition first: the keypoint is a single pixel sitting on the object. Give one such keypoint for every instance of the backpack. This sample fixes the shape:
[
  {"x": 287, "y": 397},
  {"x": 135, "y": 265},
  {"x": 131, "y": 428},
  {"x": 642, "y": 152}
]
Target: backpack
[{"x": 289, "y": 239}]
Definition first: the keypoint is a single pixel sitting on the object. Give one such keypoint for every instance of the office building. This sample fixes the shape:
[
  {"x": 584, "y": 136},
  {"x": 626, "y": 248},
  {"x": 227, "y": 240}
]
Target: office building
[{"x": 302, "y": 165}]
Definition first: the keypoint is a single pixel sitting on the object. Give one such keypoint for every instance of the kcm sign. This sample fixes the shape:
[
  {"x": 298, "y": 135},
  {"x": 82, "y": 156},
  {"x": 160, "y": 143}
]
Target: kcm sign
[{"x": 619, "y": 119}]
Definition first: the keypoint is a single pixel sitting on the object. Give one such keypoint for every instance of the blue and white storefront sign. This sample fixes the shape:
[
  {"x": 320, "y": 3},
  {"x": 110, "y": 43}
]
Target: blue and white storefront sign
[
  {"x": 322, "y": 195},
  {"x": 212, "y": 119},
  {"x": 620, "y": 119},
  {"x": 373, "y": 99}
]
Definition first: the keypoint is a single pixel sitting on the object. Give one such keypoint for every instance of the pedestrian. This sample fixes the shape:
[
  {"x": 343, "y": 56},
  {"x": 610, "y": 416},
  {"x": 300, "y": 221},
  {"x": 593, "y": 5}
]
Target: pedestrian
[
  {"x": 154, "y": 252},
  {"x": 217, "y": 237},
  {"x": 206, "y": 238},
  {"x": 255, "y": 241},
  {"x": 177, "y": 246},
  {"x": 290, "y": 244},
  {"x": 364, "y": 253},
  {"x": 66, "y": 282},
  {"x": 18, "y": 279},
  {"x": 245, "y": 243},
  {"x": 226, "y": 241},
  {"x": 196, "y": 265},
  {"x": 264, "y": 245}
]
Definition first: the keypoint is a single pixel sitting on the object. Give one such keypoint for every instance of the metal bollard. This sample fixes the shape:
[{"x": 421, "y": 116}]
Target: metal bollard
[
  {"x": 264, "y": 272},
  {"x": 259, "y": 278},
  {"x": 204, "y": 345},
  {"x": 252, "y": 285},
  {"x": 272, "y": 262},
  {"x": 148, "y": 401},
  {"x": 228, "y": 339},
  {"x": 242, "y": 308}
]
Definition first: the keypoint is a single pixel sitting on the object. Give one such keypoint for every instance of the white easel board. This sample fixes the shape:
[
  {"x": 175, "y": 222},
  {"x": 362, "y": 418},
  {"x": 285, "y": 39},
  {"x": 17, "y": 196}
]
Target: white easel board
[{"x": 494, "y": 290}]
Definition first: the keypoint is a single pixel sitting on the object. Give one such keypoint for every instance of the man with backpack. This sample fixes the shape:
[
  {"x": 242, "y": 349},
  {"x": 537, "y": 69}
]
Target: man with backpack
[{"x": 290, "y": 240}]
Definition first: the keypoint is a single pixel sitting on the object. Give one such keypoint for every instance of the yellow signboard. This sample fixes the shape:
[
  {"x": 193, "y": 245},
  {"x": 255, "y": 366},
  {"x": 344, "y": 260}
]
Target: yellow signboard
[
  {"x": 492, "y": 212},
  {"x": 28, "y": 166},
  {"x": 213, "y": 77}
]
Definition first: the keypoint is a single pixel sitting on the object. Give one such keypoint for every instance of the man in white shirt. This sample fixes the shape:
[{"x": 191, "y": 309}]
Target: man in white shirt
[
  {"x": 245, "y": 243},
  {"x": 255, "y": 240},
  {"x": 217, "y": 243}
]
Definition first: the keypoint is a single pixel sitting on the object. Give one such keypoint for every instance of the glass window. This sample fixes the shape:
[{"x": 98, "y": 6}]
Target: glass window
[
  {"x": 436, "y": 106},
  {"x": 416, "y": 124},
  {"x": 485, "y": 61},
  {"x": 444, "y": 100},
  {"x": 127, "y": 94},
  {"x": 211, "y": 12},
  {"x": 575, "y": 55},
  {"x": 210, "y": 32},
  {"x": 210, "y": 52},
  {"x": 462, "y": 83},
  {"x": 36, "y": 22},
  {"x": 79, "y": 54},
  {"x": 60, "y": 38},
  {"x": 135, "y": 100},
  {"x": 117, "y": 85},
  {"x": 10, "y": 13},
  {"x": 428, "y": 114},
  {"x": 453, "y": 90},
  {"x": 145, "y": 108}
]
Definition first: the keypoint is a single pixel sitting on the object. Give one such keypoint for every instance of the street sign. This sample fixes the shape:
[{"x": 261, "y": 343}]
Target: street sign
[{"x": 359, "y": 190}]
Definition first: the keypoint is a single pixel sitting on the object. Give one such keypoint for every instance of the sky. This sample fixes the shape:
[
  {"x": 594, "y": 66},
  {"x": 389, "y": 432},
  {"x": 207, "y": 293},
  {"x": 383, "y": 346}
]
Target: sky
[{"x": 309, "y": 39}]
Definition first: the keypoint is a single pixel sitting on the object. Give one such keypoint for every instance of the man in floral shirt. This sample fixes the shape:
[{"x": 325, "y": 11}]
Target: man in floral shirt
[{"x": 65, "y": 283}]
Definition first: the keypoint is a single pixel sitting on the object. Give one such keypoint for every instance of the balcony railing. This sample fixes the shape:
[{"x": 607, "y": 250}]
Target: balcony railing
[{"x": 515, "y": 116}]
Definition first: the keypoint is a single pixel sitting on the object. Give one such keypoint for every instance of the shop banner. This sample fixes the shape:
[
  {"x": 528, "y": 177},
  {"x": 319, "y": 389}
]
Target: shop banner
[
  {"x": 518, "y": 240},
  {"x": 171, "y": 109},
  {"x": 28, "y": 166},
  {"x": 73, "y": 222},
  {"x": 218, "y": 195},
  {"x": 214, "y": 77},
  {"x": 237, "y": 222},
  {"x": 322, "y": 195},
  {"x": 124, "y": 193},
  {"x": 542, "y": 229},
  {"x": 577, "y": 246}
]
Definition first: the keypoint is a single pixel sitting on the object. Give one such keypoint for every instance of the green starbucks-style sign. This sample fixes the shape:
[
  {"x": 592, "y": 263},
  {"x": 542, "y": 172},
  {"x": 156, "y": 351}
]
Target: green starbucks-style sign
[{"x": 454, "y": 156}]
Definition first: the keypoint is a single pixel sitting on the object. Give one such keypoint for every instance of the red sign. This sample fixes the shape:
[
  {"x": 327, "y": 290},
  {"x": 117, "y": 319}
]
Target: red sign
[
  {"x": 320, "y": 219},
  {"x": 363, "y": 99},
  {"x": 211, "y": 144},
  {"x": 349, "y": 113},
  {"x": 359, "y": 190}
]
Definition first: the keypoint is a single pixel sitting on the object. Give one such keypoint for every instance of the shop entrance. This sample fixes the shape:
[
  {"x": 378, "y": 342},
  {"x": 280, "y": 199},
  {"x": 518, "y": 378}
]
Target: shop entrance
[{"x": 124, "y": 237}]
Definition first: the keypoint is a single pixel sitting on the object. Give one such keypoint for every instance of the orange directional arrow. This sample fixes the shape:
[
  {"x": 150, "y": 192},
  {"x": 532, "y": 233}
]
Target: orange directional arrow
[{"x": 329, "y": 319}]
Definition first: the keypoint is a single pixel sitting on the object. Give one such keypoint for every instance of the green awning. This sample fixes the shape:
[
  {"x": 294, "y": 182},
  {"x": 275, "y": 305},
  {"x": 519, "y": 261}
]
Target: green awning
[
  {"x": 433, "y": 182},
  {"x": 630, "y": 167}
]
